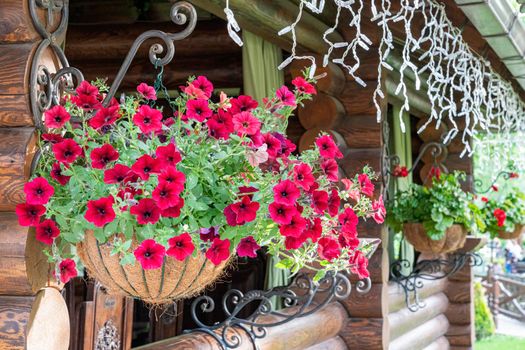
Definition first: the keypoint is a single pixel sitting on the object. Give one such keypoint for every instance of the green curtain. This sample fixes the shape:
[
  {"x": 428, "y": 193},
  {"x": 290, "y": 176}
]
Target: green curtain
[
  {"x": 261, "y": 78},
  {"x": 401, "y": 145}
]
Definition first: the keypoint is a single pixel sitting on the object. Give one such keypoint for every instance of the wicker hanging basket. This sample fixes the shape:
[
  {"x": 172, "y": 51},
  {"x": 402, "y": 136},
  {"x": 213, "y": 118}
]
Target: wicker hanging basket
[
  {"x": 174, "y": 280},
  {"x": 518, "y": 230},
  {"x": 454, "y": 239}
]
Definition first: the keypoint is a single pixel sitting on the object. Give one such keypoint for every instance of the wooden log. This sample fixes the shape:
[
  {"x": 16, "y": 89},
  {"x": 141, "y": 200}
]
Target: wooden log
[
  {"x": 365, "y": 305},
  {"x": 265, "y": 18},
  {"x": 15, "y": 111},
  {"x": 16, "y": 153},
  {"x": 210, "y": 38},
  {"x": 396, "y": 297},
  {"x": 323, "y": 111},
  {"x": 14, "y": 316},
  {"x": 364, "y": 333},
  {"x": 421, "y": 336},
  {"x": 48, "y": 324},
  {"x": 332, "y": 83},
  {"x": 358, "y": 100},
  {"x": 15, "y": 63},
  {"x": 440, "y": 343},
  {"x": 459, "y": 292},
  {"x": 299, "y": 333},
  {"x": 404, "y": 320},
  {"x": 455, "y": 162},
  {"x": 103, "y": 11},
  {"x": 461, "y": 335},
  {"x": 356, "y": 159},
  {"x": 361, "y": 131},
  {"x": 336, "y": 343},
  {"x": 431, "y": 133},
  {"x": 460, "y": 314}
]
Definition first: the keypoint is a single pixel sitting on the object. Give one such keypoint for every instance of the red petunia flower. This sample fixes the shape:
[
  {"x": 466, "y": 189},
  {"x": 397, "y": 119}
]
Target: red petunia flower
[
  {"x": 217, "y": 130},
  {"x": 100, "y": 211},
  {"x": 146, "y": 211},
  {"x": 273, "y": 145},
  {"x": 202, "y": 83},
  {"x": 209, "y": 234},
  {"x": 243, "y": 211},
  {"x": 168, "y": 155},
  {"x": 320, "y": 201},
  {"x": 148, "y": 119},
  {"x": 286, "y": 96},
  {"x": 330, "y": 169},
  {"x": 291, "y": 243},
  {"x": 166, "y": 195},
  {"x": 245, "y": 123},
  {"x": 295, "y": 228},
  {"x": 146, "y": 91},
  {"x": 173, "y": 212},
  {"x": 248, "y": 247},
  {"x": 379, "y": 210},
  {"x": 400, "y": 171},
  {"x": 87, "y": 96},
  {"x": 281, "y": 213},
  {"x": 303, "y": 176},
  {"x": 219, "y": 251},
  {"x": 146, "y": 165},
  {"x": 484, "y": 199},
  {"x": 285, "y": 192},
  {"x": 181, "y": 246},
  {"x": 66, "y": 151},
  {"x": 243, "y": 103},
  {"x": 360, "y": 265},
  {"x": 56, "y": 117},
  {"x": 303, "y": 86},
  {"x": 225, "y": 119},
  {"x": 68, "y": 270},
  {"x": 102, "y": 156},
  {"x": 38, "y": 191},
  {"x": 118, "y": 174},
  {"x": 367, "y": 187},
  {"x": 328, "y": 248},
  {"x": 47, "y": 231},
  {"x": 314, "y": 229},
  {"x": 198, "y": 110},
  {"x": 334, "y": 202},
  {"x": 52, "y": 138},
  {"x": 104, "y": 117},
  {"x": 174, "y": 177},
  {"x": 29, "y": 214},
  {"x": 56, "y": 173},
  {"x": 327, "y": 147},
  {"x": 150, "y": 254},
  {"x": 348, "y": 221},
  {"x": 500, "y": 216}
]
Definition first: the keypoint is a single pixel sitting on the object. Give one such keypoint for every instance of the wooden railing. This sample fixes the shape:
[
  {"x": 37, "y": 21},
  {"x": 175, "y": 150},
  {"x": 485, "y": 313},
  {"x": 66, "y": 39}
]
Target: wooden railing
[{"x": 506, "y": 295}]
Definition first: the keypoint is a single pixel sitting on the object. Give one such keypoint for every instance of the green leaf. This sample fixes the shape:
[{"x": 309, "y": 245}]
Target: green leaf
[
  {"x": 285, "y": 264},
  {"x": 99, "y": 235},
  {"x": 319, "y": 275},
  {"x": 111, "y": 228},
  {"x": 127, "y": 259},
  {"x": 191, "y": 181}
]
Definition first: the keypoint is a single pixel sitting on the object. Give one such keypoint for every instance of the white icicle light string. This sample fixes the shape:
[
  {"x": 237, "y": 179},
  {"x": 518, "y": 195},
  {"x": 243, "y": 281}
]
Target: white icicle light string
[{"x": 461, "y": 85}]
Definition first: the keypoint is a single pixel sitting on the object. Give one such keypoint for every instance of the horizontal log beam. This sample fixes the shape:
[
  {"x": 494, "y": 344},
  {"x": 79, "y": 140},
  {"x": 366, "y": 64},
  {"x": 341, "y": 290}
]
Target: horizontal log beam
[
  {"x": 15, "y": 111},
  {"x": 14, "y": 316},
  {"x": 336, "y": 343},
  {"x": 396, "y": 296},
  {"x": 440, "y": 343},
  {"x": 423, "y": 335}
]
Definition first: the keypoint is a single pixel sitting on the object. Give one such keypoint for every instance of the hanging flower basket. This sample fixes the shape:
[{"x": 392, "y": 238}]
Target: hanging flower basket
[
  {"x": 453, "y": 239},
  {"x": 516, "y": 233}
]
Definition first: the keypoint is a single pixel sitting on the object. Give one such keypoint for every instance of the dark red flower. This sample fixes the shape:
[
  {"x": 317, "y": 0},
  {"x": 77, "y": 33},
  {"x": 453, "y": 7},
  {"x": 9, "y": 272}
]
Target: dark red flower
[
  {"x": 146, "y": 211},
  {"x": 303, "y": 86},
  {"x": 330, "y": 169},
  {"x": 320, "y": 201},
  {"x": 47, "y": 231},
  {"x": 224, "y": 119},
  {"x": 52, "y": 138},
  {"x": 348, "y": 240},
  {"x": 328, "y": 248},
  {"x": 513, "y": 175},
  {"x": 87, "y": 96},
  {"x": 495, "y": 188},
  {"x": 173, "y": 176},
  {"x": 66, "y": 151},
  {"x": 243, "y": 211},
  {"x": 291, "y": 243},
  {"x": 217, "y": 130},
  {"x": 173, "y": 212},
  {"x": 166, "y": 195},
  {"x": 209, "y": 234},
  {"x": 181, "y": 246},
  {"x": 248, "y": 247},
  {"x": 148, "y": 92},
  {"x": 102, "y": 156},
  {"x": 56, "y": 173},
  {"x": 360, "y": 265},
  {"x": 285, "y": 192},
  {"x": 295, "y": 228},
  {"x": 118, "y": 174},
  {"x": 327, "y": 147},
  {"x": 56, "y": 117},
  {"x": 367, "y": 187},
  {"x": 273, "y": 145},
  {"x": 243, "y": 103},
  {"x": 435, "y": 172},
  {"x": 29, "y": 214},
  {"x": 148, "y": 119},
  {"x": 219, "y": 251},
  {"x": 146, "y": 165},
  {"x": 285, "y": 96},
  {"x": 202, "y": 83},
  {"x": 38, "y": 191},
  {"x": 303, "y": 176},
  {"x": 334, "y": 202},
  {"x": 104, "y": 117},
  {"x": 484, "y": 199},
  {"x": 150, "y": 254},
  {"x": 314, "y": 229},
  {"x": 100, "y": 211},
  {"x": 281, "y": 213},
  {"x": 247, "y": 191},
  {"x": 168, "y": 155},
  {"x": 245, "y": 123},
  {"x": 68, "y": 270},
  {"x": 500, "y": 216},
  {"x": 348, "y": 220},
  {"x": 198, "y": 110},
  {"x": 400, "y": 171}
]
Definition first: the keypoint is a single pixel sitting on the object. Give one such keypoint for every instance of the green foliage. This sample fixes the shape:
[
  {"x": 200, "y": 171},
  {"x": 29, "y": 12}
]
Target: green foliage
[
  {"x": 437, "y": 207},
  {"x": 513, "y": 203},
  {"x": 482, "y": 316}
]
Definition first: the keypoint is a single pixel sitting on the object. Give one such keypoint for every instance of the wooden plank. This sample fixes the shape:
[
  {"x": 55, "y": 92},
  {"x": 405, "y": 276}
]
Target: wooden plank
[
  {"x": 15, "y": 110},
  {"x": 461, "y": 335},
  {"x": 459, "y": 292},
  {"x": 14, "y": 315},
  {"x": 15, "y": 64},
  {"x": 460, "y": 314},
  {"x": 364, "y": 333},
  {"x": 421, "y": 336}
]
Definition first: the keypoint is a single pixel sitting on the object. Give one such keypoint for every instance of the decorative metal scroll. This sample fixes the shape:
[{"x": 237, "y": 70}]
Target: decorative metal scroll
[
  {"x": 303, "y": 293},
  {"x": 108, "y": 337},
  {"x": 478, "y": 184},
  {"x": 428, "y": 270}
]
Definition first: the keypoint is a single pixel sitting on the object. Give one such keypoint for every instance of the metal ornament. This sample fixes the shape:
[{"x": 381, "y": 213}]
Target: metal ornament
[
  {"x": 428, "y": 270},
  {"x": 305, "y": 295},
  {"x": 108, "y": 337},
  {"x": 478, "y": 184}
]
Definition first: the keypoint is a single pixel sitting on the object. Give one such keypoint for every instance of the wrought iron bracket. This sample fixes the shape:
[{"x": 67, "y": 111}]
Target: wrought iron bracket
[
  {"x": 505, "y": 175},
  {"x": 305, "y": 295},
  {"x": 428, "y": 270}
]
